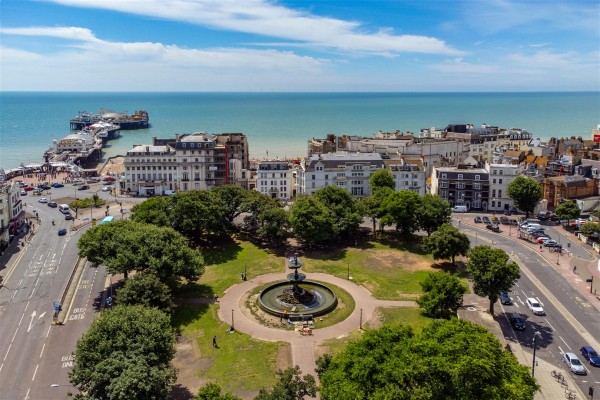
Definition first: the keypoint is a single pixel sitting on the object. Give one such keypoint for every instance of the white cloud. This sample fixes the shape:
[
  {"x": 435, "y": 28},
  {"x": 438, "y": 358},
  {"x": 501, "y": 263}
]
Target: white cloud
[
  {"x": 545, "y": 59},
  {"x": 262, "y": 17},
  {"x": 458, "y": 66}
]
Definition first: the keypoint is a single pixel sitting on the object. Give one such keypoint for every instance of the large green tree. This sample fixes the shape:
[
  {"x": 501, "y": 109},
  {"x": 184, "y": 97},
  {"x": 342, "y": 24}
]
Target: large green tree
[
  {"x": 433, "y": 213},
  {"x": 491, "y": 272},
  {"x": 290, "y": 385},
  {"x": 147, "y": 290},
  {"x": 274, "y": 222},
  {"x": 442, "y": 295},
  {"x": 372, "y": 206},
  {"x": 232, "y": 197},
  {"x": 382, "y": 178},
  {"x": 526, "y": 192},
  {"x": 591, "y": 228},
  {"x": 199, "y": 215},
  {"x": 155, "y": 210},
  {"x": 212, "y": 391},
  {"x": 124, "y": 246},
  {"x": 126, "y": 354},
  {"x": 401, "y": 210},
  {"x": 568, "y": 210},
  {"x": 345, "y": 209},
  {"x": 312, "y": 222},
  {"x": 448, "y": 360},
  {"x": 447, "y": 243}
]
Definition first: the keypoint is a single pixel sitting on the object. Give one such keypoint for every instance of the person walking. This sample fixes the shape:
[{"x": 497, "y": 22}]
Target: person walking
[{"x": 214, "y": 342}]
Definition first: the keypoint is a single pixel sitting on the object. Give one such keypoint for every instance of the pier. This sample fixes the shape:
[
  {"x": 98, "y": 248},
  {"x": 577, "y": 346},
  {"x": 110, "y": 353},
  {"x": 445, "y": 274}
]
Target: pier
[{"x": 138, "y": 120}]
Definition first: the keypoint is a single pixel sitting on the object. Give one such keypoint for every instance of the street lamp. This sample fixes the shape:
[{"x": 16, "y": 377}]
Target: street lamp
[{"x": 536, "y": 334}]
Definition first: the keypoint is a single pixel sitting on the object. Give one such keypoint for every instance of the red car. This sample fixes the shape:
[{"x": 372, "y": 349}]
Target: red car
[
  {"x": 109, "y": 179},
  {"x": 28, "y": 188}
]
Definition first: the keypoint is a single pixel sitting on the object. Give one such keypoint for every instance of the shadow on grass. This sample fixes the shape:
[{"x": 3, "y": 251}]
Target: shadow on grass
[
  {"x": 181, "y": 393},
  {"x": 227, "y": 250},
  {"x": 193, "y": 290},
  {"x": 459, "y": 268},
  {"x": 187, "y": 313},
  {"x": 395, "y": 240}
]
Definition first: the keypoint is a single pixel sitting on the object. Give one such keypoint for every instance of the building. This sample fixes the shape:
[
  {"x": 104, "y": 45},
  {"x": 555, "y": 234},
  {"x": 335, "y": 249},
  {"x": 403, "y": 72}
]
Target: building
[
  {"x": 350, "y": 171},
  {"x": 568, "y": 187},
  {"x": 197, "y": 161},
  {"x": 408, "y": 175},
  {"x": 462, "y": 185},
  {"x": 275, "y": 179},
  {"x": 501, "y": 175},
  {"x": 11, "y": 212}
]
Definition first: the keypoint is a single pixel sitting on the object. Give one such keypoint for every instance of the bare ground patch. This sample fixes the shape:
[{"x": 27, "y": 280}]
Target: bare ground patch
[
  {"x": 188, "y": 361},
  {"x": 390, "y": 259}
]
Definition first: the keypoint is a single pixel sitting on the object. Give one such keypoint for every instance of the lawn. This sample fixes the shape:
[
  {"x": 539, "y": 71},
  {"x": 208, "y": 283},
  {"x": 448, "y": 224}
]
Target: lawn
[{"x": 240, "y": 363}]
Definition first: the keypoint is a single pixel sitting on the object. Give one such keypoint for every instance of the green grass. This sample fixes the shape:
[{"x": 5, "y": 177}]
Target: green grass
[{"x": 240, "y": 363}]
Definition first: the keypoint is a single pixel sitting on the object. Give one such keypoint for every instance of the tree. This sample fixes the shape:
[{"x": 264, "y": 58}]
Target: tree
[
  {"x": 400, "y": 210},
  {"x": 491, "y": 272},
  {"x": 344, "y": 209},
  {"x": 290, "y": 386},
  {"x": 312, "y": 222},
  {"x": 232, "y": 198},
  {"x": 568, "y": 210},
  {"x": 212, "y": 391},
  {"x": 126, "y": 354},
  {"x": 433, "y": 213},
  {"x": 442, "y": 295},
  {"x": 124, "y": 246},
  {"x": 447, "y": 242},
  {"x": 591, "y": 228},
  {"x": 274, "y": 222},
  {"x": 147, "y": 290},
  {"x": 447, "y": 360},
  {"x": 199, "y": 215},
  {"x": 372, "y": 206},
  {"x": 380, "y": 179},
  {"x": 154, "y": 210},
  {"x": 526, "y": 192}
]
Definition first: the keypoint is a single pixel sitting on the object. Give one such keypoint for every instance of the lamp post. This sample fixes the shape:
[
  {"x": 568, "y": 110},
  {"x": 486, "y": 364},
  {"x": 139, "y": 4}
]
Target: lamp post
[
  {"x": 536, "y": 334},
  {"x": 348, "y": 270},
  {"x": 232, "y": 326}
]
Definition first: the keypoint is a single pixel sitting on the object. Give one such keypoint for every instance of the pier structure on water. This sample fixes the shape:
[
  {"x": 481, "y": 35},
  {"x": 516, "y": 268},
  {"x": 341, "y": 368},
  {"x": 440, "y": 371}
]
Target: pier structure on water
[{"x": 137, "y": 120}]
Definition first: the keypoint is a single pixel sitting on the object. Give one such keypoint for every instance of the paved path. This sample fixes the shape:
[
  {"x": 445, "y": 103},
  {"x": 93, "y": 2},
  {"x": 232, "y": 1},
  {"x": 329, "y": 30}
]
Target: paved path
[{"x": 303, "y": 347}]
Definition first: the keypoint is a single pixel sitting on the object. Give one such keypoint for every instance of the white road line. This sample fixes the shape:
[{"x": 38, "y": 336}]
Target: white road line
[
  {"x": 13, "y": 339},
  {"x": 42, "y": 352},
  {"x": 1, "y": 366},
  {"x": 48, "y": 332},
  {"x": 565, "y": 342},
  {"x": 26, "y": 305},
  {"x": 7, "y": 351},
  {"x": 549, "y": 325},
  {"x": 21, "y": 281},
  {"x": 35, "y": 372},
  {"x": 561, "y": 350},
  {"x": 21, "y": 319},
  {"x": 27, "y": 395}
]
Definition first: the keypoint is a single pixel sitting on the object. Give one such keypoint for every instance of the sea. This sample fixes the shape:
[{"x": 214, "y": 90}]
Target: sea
[{"x": 280, "y": 124}]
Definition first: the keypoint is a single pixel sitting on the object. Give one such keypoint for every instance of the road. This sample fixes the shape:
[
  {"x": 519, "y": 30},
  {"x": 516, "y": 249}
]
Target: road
[
  {"x": 34, "y": 353},
  {"x": 563, "y": 329}
]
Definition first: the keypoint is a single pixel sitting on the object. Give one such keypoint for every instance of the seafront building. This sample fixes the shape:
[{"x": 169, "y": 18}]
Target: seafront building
[
  {"x": 462, "y": 186},
  {"x": 275, "y": 179},
  {"x": 11, "y": 212},
  {"x": 408, "y": 175},
  {"x": 500, "y": 176},
  {"x": 198, "y": 161}
]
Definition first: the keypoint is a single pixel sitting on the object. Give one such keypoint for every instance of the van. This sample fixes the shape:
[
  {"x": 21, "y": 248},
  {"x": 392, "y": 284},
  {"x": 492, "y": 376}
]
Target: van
[
  {"x": 169, "y": 192},
  {"x": 459, "y": 209},
  {"x": 64, "y": 208}
]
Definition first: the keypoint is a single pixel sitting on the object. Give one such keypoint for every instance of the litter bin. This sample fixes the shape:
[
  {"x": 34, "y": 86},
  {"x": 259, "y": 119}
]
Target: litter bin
[{"x": 568, "y": 245}]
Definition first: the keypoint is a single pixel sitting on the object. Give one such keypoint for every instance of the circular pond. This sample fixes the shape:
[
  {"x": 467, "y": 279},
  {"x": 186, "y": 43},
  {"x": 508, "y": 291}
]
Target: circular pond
[{"x": 310, "y": 298}]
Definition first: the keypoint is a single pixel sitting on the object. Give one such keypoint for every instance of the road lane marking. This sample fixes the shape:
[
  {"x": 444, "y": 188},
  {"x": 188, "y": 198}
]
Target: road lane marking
[
  {"x": 561, "y": 350},
  {"x": 33, "y": 314},
  {"x": 13, "y": 339},
  {"x": 26, "y": 305},
  {"x": 1, "y": 366},
  {"x": 565, "y": 342},
  {"x": 43, "y": 347},
  {"x": 7, "y": 351},
  {"x": 549, "y": 324},
  {"x": 27, "y": 395},
  {"x": 35, "y": 372},
  {"x": 48, "y": 332},
  {"x": 21, "y": 319}
]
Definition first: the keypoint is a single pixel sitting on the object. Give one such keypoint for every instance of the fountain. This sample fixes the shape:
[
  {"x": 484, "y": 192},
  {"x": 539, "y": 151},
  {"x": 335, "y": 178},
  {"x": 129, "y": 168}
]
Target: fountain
[{"x": 297, "y": 297}]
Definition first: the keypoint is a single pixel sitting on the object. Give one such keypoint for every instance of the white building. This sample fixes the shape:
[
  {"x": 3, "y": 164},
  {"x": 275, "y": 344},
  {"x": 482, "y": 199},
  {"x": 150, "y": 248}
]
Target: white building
[
  {"x": 501, "y": 175},
  {"x": 275, "y": 179},
  {"x": 408, "y": 175},
  {"x": 350, "y": 171}
]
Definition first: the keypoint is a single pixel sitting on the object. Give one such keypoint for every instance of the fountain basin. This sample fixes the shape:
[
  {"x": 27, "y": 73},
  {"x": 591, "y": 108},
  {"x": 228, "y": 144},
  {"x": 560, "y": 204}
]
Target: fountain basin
[{"x": 322, "y": 301}]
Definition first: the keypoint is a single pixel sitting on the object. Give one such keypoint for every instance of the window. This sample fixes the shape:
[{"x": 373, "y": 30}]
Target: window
[
  {"x": 460, "y": 176},
  {"x": 499, "y": 193},
  {"x": 444, "y": 176},
  {"x": 501, "y": 171},
  {"x": 326, "y": 176},
  {"x": 460, "y": 185},
  {"x": 477, "y": 177},
  {"x": 493, "y": 192},
  {"x": 494, "y": 181},
  {"x": 444, "y": 185},
  {"x": 493, "y": 203},
  {"x": 500, "y": 181},
  {"x": 313, "y": 177}
]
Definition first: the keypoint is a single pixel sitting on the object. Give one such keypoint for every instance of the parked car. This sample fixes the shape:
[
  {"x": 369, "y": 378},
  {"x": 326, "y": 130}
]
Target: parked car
[
  {"x": 109, "y": 179},
  {"x": 507, "y": 212},
  {"x": 77, "y": 182},
  {"x": 552, "y": 244},
  {"x": 52, "y": 204},
  {"x": 62, "y": 231},
  {"x": 477, "y": 220},
  {"x": 517, "y": 321},
  {"x": 83, "y": 187},
  {"x": 28, "y": 188},
  {"x": 504, "y": 220},
  {"x": 495, "y": 220},
  {"x": 45, "y": 187},
  {"x": 22, "y": 184},
  {"x": 542, "y": 239},
  {"x": 487, "y": 220},
  {"x": 93, "y": 180},
  {"x": 68, "y": 217},
  {"x": 574, "y": 364},
  {"x": 534, "y": 306},
  {"x": 505, "y": 298},
  {"x": 38, "y": 191},
  {"x": 514, "y": 222},
  {"x": 43, "y": 200},
  {"x": 106, "y": 189},
  {"x": 57, "y": 185},
  {"x": 591, "y": 355},
  {"x": 23, "y": 193},
  {"x": 544, "y": 215}
]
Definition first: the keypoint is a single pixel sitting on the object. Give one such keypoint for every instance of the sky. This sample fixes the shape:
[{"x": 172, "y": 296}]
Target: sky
[{"x": 300, "y": 46}]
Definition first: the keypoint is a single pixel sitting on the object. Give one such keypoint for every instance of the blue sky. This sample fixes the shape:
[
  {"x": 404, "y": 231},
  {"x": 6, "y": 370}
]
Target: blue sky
[{"x": 266, "y": 45}]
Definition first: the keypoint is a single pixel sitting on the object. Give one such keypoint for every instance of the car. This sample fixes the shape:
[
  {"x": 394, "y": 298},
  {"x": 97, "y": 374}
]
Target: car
[
  {"x": 23, "y": 193},
  {"x": 534, "y": 306},
  {"x": 495, "y": 220},
  {"x": 92, "y": 180},
  {"x": 28, "y": 188},
  {"x": 504, "y": 220},
  {"x": 22, "y": 184},
  {"x": 43, "y": 200},
  {"x": 109, "y": 179},
  {"x": 544, "y": 215},
  {"x": 44, "y": 187},
  {"x": 505, "y": 298},
  {"x": 507, "y": 212},
  {"x": 68, "y": 216},
  {"x": 106, "y": 189},
  {"x": 38, "y": 191},
  {"x": 591, "y": 355},
  {"x": 574, "y": 364},
  {"x": 487, "y": 220},
  {"x": 83, "y": 187},
  {"x": 52, "y": 204},
  {"x": 542, "y": 239},
  {"x": 517, "y": 321},
  {"x": 57, "y": 185},
  {"x": 550, "y": 243},
  {"x": 495, "y": 228},
  {"x": 77, "y": 182},
  {"x": 477, "y": 220},
  {"x": 514, "y": 222},
  {"x": 62, "y": 231}
]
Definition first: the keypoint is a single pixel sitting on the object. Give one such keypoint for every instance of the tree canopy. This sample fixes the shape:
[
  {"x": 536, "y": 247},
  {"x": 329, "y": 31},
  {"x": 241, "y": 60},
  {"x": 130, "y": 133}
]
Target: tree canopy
[
  {"x": 312, "y": 222},
  {"x": 433, "y": 213},
  {"x": 290, "y": 385},
  {"x": 442, "y": 295},
  {"x": 526, "y": 192},
  {"x": 568, "y": 210},
  {"x": 591, "y": 228},
  {"x": 491, "y": 272},
  {"x": 372, "y": 205},
  {"x": 449, "y": 359},
  {"x": 401, "y": 210},
  {"x": 147, "y": 290},
  {"x": 447, "y": 242},
  {"x": 345, "y": 209},
  {"x": 126, "y": 354},
  {"x": 212, "y": 391},
  {"x": 124, "y": 246},
  {"x": 380, "y": 179}
]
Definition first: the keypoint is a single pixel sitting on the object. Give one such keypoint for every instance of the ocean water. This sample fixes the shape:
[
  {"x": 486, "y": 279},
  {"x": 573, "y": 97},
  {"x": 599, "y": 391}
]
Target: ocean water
[{"x": 279, "y": 124}]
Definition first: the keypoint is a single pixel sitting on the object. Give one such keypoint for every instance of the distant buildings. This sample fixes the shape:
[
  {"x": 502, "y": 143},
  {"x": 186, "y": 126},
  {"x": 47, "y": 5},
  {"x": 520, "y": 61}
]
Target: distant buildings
[
  {"x": 275, "y": 179},
  {"x": 11, "y": 212},
  {"x": 462, "y": 186},
  {"x": 500, "y": 176}
]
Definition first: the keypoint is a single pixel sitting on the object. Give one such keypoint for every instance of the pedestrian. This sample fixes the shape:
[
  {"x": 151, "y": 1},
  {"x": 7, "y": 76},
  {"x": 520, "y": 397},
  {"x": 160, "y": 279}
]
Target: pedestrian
[
  {"x": 216, "y": 298},
  {"x": 541, "y": 247},
  {"x": 214, "y": 342},
  {"x": 574, "y": 268}
]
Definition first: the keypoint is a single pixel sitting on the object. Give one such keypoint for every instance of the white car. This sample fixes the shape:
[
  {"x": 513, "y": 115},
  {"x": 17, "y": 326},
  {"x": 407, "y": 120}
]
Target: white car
[
  {"x": 535, "y": 306},
  {"x": 43, "y": 200},
  {"x": 574, "y": 364},
  {"x": 106, "y": 189}
]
